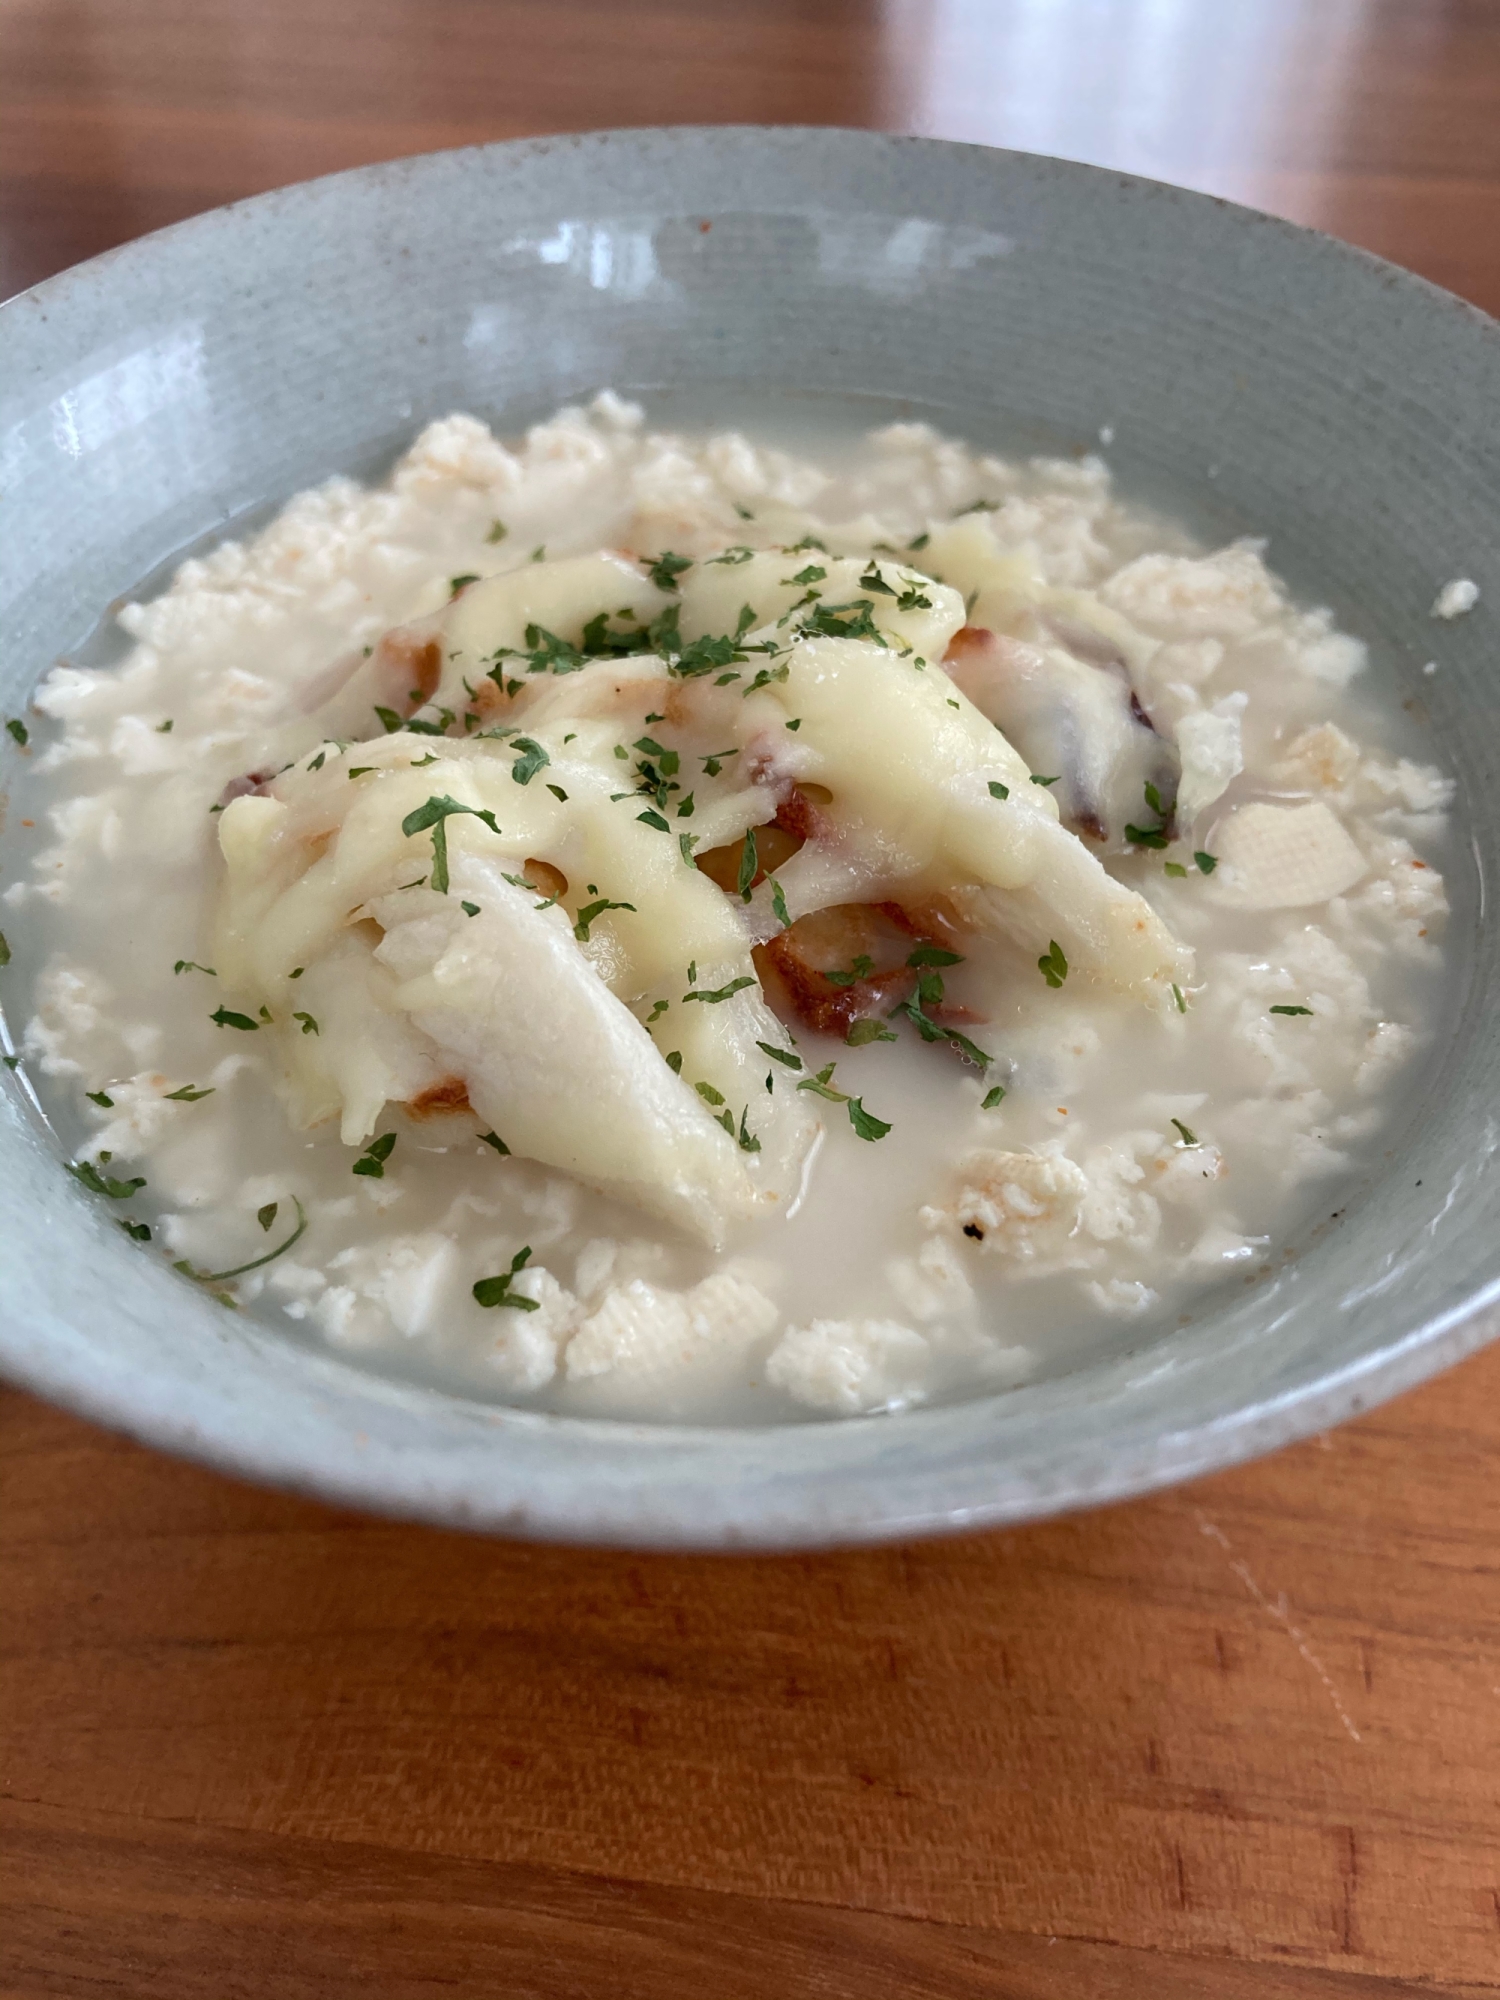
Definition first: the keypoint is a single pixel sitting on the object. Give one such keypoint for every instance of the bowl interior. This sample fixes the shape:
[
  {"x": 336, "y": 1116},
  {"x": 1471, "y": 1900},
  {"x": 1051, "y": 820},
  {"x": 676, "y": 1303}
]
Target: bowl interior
[{"x": 1259, "y": 379}]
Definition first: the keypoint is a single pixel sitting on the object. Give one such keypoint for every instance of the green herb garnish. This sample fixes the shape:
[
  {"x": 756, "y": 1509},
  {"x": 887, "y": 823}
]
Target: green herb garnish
[
  {"x": 713, "y": 998},
  {"x": 375, "y": 1156},
  {"x": 865, "y": 1124},
  {"x": 704, "y": 655},
  {"x": 497, "y": 1291},
  {"x": 434, "y": 816},
  {"x": 854, "y": 620},
  {"x": 822, "y": 1085},
  {"x": 668, "y": 760},
  {"x": 867, "y": 1030},
  {"x": 749, "y": 867},
  {"x": 861, "y": 969},
  {"x": 590, "y": 911},
  {"x": 786, "y": 1056},
  {"x": 666, "y": 569},
  {"x": 88, "y": 1175},
  {"x": 1052, "y": 965},
  {"x": 222, "y": 1277},
  {"x": 533, "y": 757}
]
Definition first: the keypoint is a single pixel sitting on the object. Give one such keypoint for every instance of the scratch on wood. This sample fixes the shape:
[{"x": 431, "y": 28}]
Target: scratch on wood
[
  {"x": 1280, "y": 1611},
  {"x": 1182, "y": 1890},
  {"x": 1221, "y": 1653},
  {"x": 1349, "y": 1868},
  {"x": 1366, "y": 1656}
]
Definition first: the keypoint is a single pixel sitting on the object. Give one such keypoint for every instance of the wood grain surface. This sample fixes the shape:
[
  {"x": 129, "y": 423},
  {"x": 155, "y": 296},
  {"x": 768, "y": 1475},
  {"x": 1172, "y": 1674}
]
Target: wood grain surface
[{"x": 1237, "y": 1741}]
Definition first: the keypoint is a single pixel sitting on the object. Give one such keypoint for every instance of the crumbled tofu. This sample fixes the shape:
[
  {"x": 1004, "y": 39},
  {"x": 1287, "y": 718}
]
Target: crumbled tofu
[
  {"x": 933, "y": 1284},
  {"x": 408, "y": 1278},
  {"x": 850, "y": 1367},
  {"x": 1023, "y": 1206},
  {"x": 70, "y": 1032},
  {"x": 1116, "y": 1209},
  {"x": 139, "y": 1118},
  {"x": 1208, "y": 742},
  {"x": 1318, "y": 759},
  {"x": 641, "y": 1327},
  {"x": 1185, "y": 1173},
  {"x": 1284, "y": 857},
  {"x": 1124, "y": 1298},
  {"x": 1222, "y": 596},
  {"x": 525, "y": 1346}
]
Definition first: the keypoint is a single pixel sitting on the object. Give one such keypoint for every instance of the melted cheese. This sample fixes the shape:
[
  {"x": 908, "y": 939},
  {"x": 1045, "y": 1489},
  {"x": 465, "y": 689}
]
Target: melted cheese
[{"x": 615, "y": 1031}]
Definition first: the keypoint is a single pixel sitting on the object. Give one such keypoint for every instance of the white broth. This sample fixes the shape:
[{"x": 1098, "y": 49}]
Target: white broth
[{"x": 365, "y": 956}]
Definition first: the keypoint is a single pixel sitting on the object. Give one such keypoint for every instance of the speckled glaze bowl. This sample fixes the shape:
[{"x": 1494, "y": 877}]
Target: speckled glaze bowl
[{"x": 1259, "y": 378}]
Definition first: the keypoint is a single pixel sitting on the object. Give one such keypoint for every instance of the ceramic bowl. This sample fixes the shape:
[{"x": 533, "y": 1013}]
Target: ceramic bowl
[{"x": 1259, "y": 379}]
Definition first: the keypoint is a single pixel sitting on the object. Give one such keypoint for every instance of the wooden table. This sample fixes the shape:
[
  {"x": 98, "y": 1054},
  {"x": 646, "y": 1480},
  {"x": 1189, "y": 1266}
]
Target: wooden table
[{"x": 1241, "y": 1740}]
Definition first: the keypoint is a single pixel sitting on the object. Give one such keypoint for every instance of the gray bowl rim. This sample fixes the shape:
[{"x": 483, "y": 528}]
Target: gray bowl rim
[{"x": 385, "y": 1482}]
